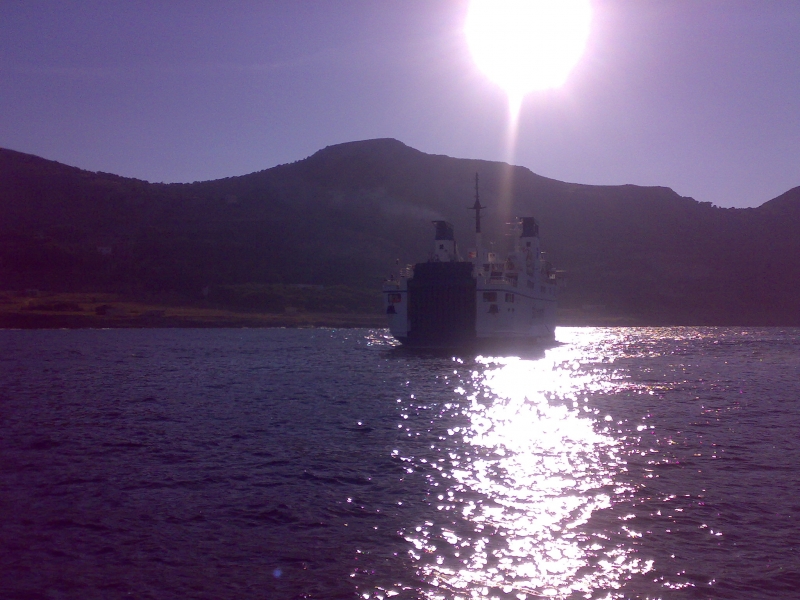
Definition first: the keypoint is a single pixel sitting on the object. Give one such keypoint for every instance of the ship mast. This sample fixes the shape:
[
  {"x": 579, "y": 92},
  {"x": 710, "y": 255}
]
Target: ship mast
[{"x": 477, "y": 208}]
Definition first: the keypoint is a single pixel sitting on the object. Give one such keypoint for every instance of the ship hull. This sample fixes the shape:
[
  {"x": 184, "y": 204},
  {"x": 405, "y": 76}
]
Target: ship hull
[
  {"x": 445, "y": 306},
  {"x": 498, "y": 343},
  {"x": 479, "y": 303}
]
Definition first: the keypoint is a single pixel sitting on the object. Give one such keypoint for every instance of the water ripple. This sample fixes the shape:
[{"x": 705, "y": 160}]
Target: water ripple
[{"x": 621, "y": 463}]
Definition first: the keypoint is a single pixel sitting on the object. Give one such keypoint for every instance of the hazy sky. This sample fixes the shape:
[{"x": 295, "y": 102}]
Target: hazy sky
[{"x": 702, "y": 96}]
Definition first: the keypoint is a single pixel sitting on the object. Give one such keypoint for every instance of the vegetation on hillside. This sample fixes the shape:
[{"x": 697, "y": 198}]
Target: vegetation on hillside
[{"x": 344, "y": 217}]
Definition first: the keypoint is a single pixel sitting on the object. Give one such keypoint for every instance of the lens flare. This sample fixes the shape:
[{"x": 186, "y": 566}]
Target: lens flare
[
  {"x": 521, "y": 479},
  {"x": 527, "y": 45}
]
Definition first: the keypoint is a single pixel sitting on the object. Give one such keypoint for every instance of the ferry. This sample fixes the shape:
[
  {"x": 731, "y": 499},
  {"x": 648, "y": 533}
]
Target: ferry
[{"x": 484, "y": 301}]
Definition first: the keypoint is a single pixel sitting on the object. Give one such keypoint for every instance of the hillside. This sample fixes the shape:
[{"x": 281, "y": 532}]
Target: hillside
[{"x": 344, "y": 215}]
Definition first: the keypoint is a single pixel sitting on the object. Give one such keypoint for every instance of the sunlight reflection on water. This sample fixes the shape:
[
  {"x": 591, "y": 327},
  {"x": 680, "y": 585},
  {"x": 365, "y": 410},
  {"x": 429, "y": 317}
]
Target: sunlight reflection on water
[
  {"x": 526, "y": 474},
  {"x": 624, "y": 463}
]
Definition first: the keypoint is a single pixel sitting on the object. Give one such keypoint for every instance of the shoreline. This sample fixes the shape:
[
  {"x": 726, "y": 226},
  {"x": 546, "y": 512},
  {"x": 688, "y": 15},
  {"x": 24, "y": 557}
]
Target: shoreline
[
  {"x": 179, "y": 319},
  {"x": 111, "y": 311},
  {"x": 76, "y": 322},
  {"x": 231, "y": 320}
]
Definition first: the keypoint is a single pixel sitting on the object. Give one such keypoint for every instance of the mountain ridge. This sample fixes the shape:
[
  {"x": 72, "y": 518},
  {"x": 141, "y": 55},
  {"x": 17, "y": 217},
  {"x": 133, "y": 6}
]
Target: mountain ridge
[{"x": 348, "y": 212}]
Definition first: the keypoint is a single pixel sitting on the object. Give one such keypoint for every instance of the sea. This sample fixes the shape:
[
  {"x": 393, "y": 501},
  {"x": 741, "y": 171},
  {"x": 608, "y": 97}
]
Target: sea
[{"x": 334, "y": 464}]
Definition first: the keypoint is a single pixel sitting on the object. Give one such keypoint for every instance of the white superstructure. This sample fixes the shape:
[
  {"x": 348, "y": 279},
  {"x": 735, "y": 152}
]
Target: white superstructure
[{"x": 449, "y": 302}]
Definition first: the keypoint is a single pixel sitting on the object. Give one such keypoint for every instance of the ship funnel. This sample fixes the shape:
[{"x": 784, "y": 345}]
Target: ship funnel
[
  {"x": 530, "y": 228},
  {"x": 444, "y": 230},
  {"x": 444, "y": 249},
  {"x": 528, "y": 241}
]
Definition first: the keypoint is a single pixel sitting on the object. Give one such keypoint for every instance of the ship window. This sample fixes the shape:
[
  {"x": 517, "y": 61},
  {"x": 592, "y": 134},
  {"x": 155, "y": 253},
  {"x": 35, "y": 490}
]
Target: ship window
[
  {"x": 490, "y": 296},
  {"x": 395, "y": 298},
  {"x": 509, "y": 297}
]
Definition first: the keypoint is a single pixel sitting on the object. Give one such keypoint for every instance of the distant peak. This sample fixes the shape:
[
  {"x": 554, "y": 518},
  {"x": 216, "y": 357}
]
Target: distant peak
[
  {"x": 373, "y": 143},
  {"x": 378, "y": 146}
]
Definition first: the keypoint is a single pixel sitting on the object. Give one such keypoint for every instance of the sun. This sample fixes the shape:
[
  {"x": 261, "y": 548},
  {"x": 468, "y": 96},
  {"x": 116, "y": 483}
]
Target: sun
[{"x": 527, "y": 45}]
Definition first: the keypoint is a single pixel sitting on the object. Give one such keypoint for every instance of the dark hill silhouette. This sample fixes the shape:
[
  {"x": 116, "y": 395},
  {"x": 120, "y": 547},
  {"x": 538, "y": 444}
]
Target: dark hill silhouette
[{"x": 345, "y": 214}]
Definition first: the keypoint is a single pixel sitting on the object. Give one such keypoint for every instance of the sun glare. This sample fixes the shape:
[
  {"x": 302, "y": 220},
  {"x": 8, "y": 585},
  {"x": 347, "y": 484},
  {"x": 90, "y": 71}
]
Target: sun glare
[
  {"x": 527, "y": 45},
  {"x": 522, "y": 477}
]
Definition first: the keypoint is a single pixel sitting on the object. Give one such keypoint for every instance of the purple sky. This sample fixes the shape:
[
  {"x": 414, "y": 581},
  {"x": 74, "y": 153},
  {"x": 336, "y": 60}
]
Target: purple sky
[{"x": 702, "y": 96}]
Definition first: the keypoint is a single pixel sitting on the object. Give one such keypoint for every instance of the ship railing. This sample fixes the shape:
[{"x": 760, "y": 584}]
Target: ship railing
[
  {"x": 391, "y": 282},
  {"x": 503, "y": 280}
]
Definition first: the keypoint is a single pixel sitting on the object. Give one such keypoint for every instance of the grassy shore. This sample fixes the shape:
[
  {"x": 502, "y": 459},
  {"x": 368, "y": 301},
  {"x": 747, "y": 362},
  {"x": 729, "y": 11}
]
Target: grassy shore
[
  {"x": 90, "y": 310},
  {"x": 86, "y": 310}
]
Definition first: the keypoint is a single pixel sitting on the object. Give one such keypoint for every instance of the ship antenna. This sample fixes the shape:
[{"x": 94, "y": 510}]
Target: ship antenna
[{"x": 477, "y": 208}]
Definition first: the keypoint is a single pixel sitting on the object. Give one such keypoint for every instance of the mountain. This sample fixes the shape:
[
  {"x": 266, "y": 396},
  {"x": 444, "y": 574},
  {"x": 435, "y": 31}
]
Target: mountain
[{"x": 346, "y": 214}]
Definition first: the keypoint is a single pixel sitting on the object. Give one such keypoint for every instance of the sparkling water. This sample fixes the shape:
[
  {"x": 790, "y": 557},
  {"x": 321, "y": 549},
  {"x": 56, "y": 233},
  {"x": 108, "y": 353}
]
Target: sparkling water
[{"x": 270, "y": 463}]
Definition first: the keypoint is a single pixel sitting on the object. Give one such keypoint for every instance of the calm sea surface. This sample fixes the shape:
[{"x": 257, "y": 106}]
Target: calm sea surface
[{"x": 621, "y": 463}]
